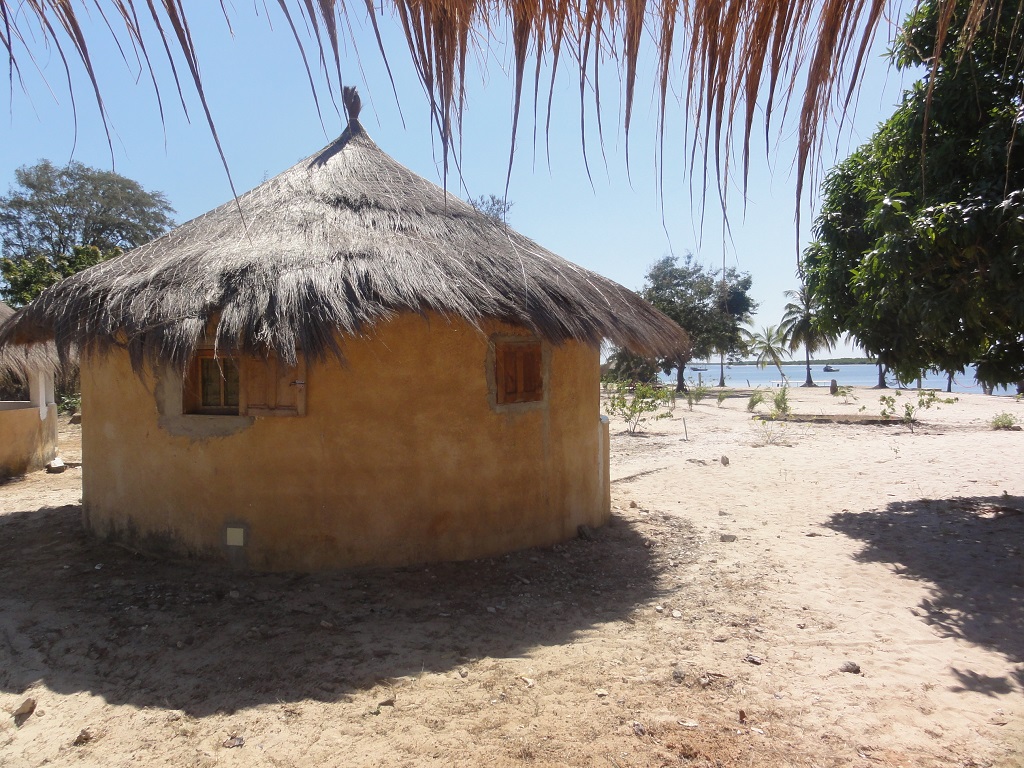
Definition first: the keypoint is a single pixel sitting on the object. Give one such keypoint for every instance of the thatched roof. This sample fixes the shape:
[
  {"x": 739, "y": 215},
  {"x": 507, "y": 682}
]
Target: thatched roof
[
  {"x": 18, "y": 361},
  {"x": 340, "y": 242}
]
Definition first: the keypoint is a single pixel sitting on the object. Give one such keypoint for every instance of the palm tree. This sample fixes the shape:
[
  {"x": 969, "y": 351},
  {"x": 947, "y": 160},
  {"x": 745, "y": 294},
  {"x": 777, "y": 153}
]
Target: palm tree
[
  {"x": 799, "y": 327},
  {"x": 769, "y": 346}
]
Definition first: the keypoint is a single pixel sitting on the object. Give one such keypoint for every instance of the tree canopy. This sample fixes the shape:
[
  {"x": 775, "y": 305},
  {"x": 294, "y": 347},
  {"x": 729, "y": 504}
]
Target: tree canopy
[
  {"x": 56, "y": 221},
  {"x": 625, "y": 366},
  {"x": 27, "y": 278},
  {"x": 919, "y": 254},
  {"x": 709, "y": 308},
  {"x": 493, "y": 206},
  {"x": 769, "y": 347}
]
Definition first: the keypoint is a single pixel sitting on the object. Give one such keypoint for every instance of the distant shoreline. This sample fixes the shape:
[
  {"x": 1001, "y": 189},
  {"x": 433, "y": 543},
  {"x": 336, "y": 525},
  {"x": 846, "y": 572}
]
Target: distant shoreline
[{"x": 822, "y": 361}]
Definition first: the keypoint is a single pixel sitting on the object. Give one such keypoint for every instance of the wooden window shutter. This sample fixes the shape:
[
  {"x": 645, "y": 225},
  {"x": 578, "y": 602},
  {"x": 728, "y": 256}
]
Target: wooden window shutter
[
  {"x": 288, "y": 388},
  {"x": 273, "y": 388},
  {"x": 532, "y": 380},
  {"x": 255, "y": 374},
  {"x": 518, "y": 374}
]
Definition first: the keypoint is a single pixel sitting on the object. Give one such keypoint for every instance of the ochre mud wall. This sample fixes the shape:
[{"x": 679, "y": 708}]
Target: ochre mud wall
[
  {"x": 27, "y": 441},
  {"x": 403, "y": 456}
]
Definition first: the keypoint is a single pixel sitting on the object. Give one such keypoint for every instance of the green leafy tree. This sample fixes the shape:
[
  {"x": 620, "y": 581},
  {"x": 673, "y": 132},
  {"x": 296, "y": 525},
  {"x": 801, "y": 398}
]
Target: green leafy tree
[
  {"x": 800, "y": 327},
  {"x": 27, "y": 278},
  {"x": 739, "y": 306},
  {"x": 707, "y": 307},
  {"x": 51, "y": 211},
  {"x": 917, "y": 248},
  {"x": 624, "y": 365},
  {"x": 492, "y": 206}
]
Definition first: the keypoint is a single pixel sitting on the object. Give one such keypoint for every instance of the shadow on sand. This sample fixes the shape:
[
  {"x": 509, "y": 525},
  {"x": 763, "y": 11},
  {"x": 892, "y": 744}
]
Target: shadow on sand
[
  {"x": 79, "y": 614},
  {"x": 971, "y": 550}
]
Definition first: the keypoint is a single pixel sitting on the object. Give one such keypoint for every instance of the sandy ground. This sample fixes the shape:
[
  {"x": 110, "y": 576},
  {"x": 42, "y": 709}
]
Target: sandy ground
[{"x": 707, "y": 625}]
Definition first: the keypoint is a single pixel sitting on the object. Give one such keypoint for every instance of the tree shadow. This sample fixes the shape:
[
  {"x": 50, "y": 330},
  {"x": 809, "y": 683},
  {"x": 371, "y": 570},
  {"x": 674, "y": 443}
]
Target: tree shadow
[
  {"x": 971, "y": 681},
  {"x": 971, "y": 550},
  {"x": 81, "y": 614}
]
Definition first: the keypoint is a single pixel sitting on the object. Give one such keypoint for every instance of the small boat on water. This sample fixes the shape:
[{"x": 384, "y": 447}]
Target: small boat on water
[
  {"x": 830, "y": 369},
  {"x": 698, "y": 367}
]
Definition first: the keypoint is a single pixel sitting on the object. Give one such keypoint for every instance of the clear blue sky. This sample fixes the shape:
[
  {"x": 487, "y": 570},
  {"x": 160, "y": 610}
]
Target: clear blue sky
[{"x": 614, "y": 223}]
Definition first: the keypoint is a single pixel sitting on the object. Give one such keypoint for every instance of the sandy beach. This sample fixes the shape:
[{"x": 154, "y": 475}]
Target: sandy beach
[{"x": 805, "y": 593}]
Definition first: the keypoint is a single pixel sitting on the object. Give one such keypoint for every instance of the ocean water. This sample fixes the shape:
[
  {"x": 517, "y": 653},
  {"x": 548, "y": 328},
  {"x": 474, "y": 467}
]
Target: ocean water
[{"x": 855, "y": 375}]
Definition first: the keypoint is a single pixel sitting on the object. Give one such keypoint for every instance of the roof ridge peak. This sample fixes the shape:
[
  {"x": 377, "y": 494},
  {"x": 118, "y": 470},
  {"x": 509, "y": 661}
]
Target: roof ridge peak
[{"x": 352, "y": 103}]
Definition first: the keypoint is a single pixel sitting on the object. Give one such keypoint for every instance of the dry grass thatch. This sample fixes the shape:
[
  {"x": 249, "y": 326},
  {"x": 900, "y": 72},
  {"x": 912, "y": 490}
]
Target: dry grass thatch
[
  {"x": 341, "y": 241},
  {"x": 728, "y": 58},
  {"x": 18, "y": 361}
]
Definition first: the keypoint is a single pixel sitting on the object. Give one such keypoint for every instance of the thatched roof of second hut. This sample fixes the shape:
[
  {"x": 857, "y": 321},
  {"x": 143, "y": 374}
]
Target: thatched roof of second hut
[
  {"x": 341, "y": 241},
  {"x": 19, "y": 361}
]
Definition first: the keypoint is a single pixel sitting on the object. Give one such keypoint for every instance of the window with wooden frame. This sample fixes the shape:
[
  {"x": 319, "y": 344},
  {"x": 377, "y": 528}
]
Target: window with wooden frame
[
  {"x": 212, "y": 385},
  {"x": 230, "y": 386},
  {"x": 518, "y": 371}
]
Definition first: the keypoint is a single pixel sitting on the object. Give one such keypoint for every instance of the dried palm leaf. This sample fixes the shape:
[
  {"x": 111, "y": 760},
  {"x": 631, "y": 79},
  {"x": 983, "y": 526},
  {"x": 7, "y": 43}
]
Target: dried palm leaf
[{"x": 734, "y": 54}]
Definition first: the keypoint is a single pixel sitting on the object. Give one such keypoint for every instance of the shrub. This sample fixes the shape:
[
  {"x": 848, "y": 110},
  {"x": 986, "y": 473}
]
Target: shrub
[
  {"x": 645, "y": 403},
  {"x": 773, "y": 433},
  {"x": 909, "y": 416},
  {"x": 695, "y": 393},
  {"x": 845, "y": 392},
  {"x": 780, "y": 403},
  {"x": 70, "y": 403},
  {"x": 722, "y": 394},
  {"x": 756, "y": 398},
  {"x": 1004, "y": 421},
  {"x": 888, "y": 403},
  {"x": 926, "y": 398}
]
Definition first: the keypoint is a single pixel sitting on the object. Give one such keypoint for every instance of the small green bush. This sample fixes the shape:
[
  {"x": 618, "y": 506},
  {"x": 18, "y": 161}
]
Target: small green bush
[
  {"x": 780, "y": 403},
  {"x": 926, "y": 398},
  {"x": 909, "y": 415},
  {"x": 1004, "y": 421},
  {"x": 845, "y": 392},
  {"x": 756, "y": 398},
  {"x": 722, "y": 394},
  {"x": 636, "y": 409},
  {"x": 695, "y": 393},
  {"x": 888, "y": 403},
  {"x": 70, "y": 403},
  {"x": 773, "y": 433}
]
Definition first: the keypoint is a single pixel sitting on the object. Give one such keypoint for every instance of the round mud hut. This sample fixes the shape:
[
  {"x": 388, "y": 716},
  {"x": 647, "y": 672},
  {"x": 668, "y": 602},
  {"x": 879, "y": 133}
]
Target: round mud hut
[
  {"x": 345, "y": 366},
  {"x": 28, "y": 411}
]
